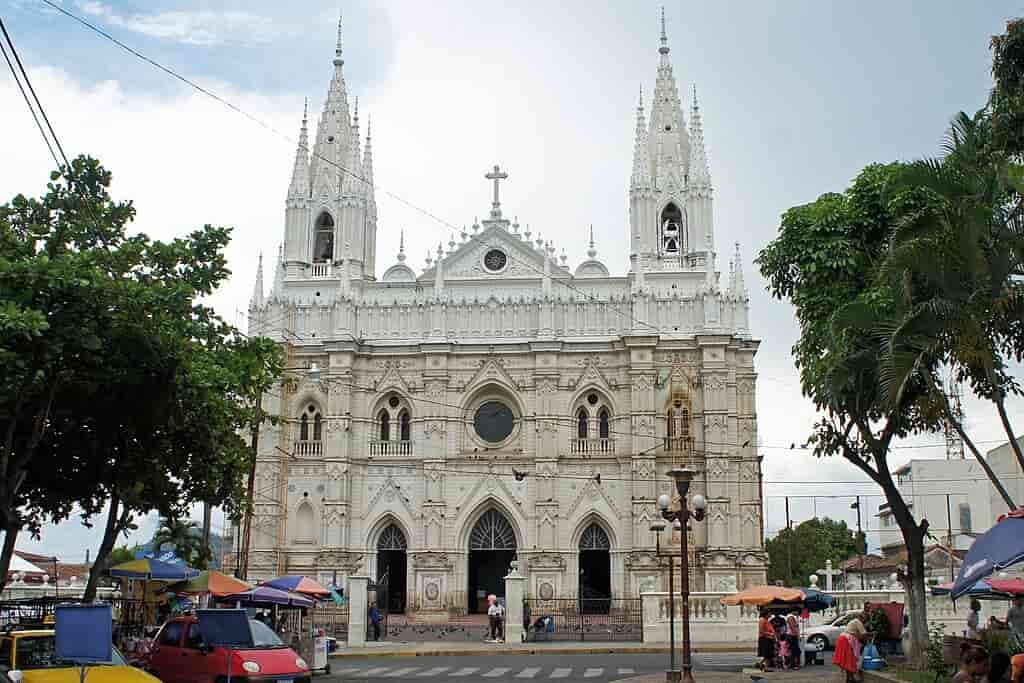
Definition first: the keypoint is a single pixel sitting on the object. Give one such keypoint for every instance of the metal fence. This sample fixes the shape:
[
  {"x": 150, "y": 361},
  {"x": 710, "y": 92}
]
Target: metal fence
[{"x": 599, "y": 619}]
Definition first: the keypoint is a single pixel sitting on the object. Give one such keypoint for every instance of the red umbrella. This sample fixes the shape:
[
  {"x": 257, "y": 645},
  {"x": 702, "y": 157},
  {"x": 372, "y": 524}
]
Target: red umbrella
[
  {"x": 299, "y": 584},
  {"x": 1011, "y": 586}
]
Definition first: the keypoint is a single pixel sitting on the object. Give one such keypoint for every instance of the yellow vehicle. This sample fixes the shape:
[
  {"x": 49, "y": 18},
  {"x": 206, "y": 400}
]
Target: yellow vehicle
[{"x": 29, "y": 657}]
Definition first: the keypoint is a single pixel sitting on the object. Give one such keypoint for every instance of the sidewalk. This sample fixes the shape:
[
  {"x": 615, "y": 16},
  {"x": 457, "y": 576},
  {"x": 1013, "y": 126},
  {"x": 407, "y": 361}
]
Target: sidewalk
[
  {"x": 455, "y": 649},
  {"x": 817, "y": 674}
]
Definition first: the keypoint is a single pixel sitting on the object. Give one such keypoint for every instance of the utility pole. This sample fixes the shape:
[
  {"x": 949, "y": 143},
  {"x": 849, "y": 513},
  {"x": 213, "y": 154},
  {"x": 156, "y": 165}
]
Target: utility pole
[
  {"x": 860, "y": 535},
  {"x": 789, "y": 542},
  {"x": 243, "y": 569},
  {"x": 949, "y": 538}
]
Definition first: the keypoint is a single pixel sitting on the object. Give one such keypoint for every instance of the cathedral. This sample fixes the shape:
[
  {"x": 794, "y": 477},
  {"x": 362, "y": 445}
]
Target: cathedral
[{"x": 500, "y": 404}]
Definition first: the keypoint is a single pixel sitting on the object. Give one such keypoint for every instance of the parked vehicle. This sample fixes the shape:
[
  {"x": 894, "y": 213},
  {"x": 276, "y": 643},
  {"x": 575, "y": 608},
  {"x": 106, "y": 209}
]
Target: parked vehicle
[
  {"x": 29, "y": 656},
  {"x": 180, "y": 655},
  {"x": 824, "y": 637}
]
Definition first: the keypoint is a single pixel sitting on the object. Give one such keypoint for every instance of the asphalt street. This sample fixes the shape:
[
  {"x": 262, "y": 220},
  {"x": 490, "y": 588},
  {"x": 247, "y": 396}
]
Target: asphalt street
[{"x": 499, "y": 667}]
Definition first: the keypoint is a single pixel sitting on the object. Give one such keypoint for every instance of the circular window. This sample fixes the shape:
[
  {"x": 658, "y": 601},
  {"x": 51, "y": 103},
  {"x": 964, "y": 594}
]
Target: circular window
[
  {"x": 311, "y": 409},
  {"x": 393, "y": 401},
  {"x": 592, "y": 399},
  {"x": 493, "y": 421},
  {"x": 495, "y": 260},
  {"x": 668, "y": 128}
]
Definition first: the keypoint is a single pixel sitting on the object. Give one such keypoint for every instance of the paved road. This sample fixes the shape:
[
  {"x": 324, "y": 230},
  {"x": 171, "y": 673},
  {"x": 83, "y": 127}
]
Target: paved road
[{"x": 498, "y": 667}]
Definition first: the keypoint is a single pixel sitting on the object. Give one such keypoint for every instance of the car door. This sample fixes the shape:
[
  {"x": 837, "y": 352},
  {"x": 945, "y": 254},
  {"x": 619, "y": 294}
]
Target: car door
[
  {"x": 168, "y": 653},
  {"x": 200, "y": 664}
]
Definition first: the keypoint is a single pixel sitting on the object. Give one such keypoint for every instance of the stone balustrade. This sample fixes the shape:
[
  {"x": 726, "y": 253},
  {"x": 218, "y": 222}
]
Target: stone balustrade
[
  {"x": 605, "y": 446},
  {"x": 390, "y": 448},
  {"x": 713, "y": 622},
  {"x": 307, "y": 449}
]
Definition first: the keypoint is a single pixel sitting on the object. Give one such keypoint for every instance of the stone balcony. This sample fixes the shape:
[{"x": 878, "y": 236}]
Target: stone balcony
[
  {"x": 320, "y": 270},
  {"x": 390, "y": 448},
  {"x": 308, "y": 449},
  {"x": 592, "y": 446}
]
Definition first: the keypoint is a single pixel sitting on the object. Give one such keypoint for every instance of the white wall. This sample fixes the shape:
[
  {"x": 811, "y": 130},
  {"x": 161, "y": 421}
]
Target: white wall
[{"x": 1004, "y": 463}]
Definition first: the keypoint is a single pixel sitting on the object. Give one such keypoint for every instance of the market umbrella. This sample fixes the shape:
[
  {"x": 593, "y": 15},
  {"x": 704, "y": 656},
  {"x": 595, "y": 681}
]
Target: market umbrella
[
  {"x": 264, "y": 596},
  {"x": 147, "y": 568},
  {"x": 761, "y": 596},
  {"x": 980, "y": 589},
  {"x": 816, "y": 601},
  {"x": 1000, "y": 547},
  {"x": 210, "y": 581},
  {"x": 1008, "y": 586},
  {"x": 299, "y": 584}
]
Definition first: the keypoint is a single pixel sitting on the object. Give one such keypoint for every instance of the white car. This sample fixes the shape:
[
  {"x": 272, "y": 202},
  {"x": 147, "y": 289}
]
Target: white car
[{"x": 824, "y": 637}]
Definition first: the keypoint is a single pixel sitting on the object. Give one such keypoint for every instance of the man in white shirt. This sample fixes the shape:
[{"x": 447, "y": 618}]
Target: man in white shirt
[{"x": 495, "y": 612}]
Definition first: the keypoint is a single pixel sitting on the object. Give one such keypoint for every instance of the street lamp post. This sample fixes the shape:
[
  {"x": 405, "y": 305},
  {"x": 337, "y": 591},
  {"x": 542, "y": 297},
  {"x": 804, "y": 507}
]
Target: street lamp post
[
  {"x": 682, "y": 477},
  {"x": 672, "y": 674}
]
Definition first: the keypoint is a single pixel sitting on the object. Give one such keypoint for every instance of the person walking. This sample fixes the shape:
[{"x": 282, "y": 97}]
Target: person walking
[
  {"x": 973, "y": 620},
  {"x": 374, "y": 616},
  {"x": 494, "y": 616},
  {"x": 847, "y": 656},
  {"x": 973, "y": 664},
  {"x": 765, "y": 643},
  {"x": 793, "y": 639}
]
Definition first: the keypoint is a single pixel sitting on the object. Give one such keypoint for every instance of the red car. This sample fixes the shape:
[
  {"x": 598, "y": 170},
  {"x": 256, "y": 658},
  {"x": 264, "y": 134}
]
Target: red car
[{"x": 179, "y": 655}]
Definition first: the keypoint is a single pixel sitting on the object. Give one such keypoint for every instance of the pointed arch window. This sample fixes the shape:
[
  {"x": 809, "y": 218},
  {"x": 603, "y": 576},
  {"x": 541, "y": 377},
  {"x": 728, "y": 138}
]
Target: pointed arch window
[
  {"x": 595, "y": 538},
  {"x": 303, "y": 428},
  {"x": 403, "y": 425},
  {"x": 492, "y": 532},
  {"x": 581, "y": 423},
  {"x": 305, "y": 527},
  {"x": 311, "y": 424},
  {"x": 385, "y": 425},
  {"x": 672, "y": 227},
  {"x": 318, "y": 424},
  {"x": 392, "y": 538},
  {"x": 323, "y": 242},
  {"x": 603, "y": 426}
]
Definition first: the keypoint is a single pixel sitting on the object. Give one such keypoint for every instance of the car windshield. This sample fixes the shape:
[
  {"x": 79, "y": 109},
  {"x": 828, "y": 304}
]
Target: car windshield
[
  {"x": 38, "y": 652},
  {"x": 263, "y": 637}
]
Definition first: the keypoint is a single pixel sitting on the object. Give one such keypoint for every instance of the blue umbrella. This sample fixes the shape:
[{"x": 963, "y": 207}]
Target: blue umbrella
[
  {"x": 816, "y": 601},
  {"x": 1000, "y": 547},
  {"x": 148, "y": 568}
]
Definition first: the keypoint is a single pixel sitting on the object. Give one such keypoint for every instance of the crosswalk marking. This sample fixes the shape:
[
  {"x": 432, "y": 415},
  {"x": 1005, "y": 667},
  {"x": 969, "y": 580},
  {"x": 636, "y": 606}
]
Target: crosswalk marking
[
  {"x": 377, "y": 671},
  {"x": 528, "y": 672},
  {"x": 626, "y": 672},
  {"x": 494, "y": 673},
  {"x": 430, "y": 673},
  {"x": 592, "y": 673},
  {"x": 465, "y": 671},
  {"x": 347, "y": 671},
  {"x": 560, "y": 673},
  {"x": 398, "y": 673}
]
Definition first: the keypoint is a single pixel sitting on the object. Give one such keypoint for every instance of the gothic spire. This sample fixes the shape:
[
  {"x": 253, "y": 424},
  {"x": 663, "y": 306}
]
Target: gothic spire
[
  {"x": 700, "y": 173},
  {"x": 353, "y": 170},
  {"x": 257, "y": 289},
  {"x": 739, "y": 287},
  {"x": 368, "y": 163},
  {"x": 641, "y": 160},
  {"x": 401, "y": 246},
  {"x": 338, "y": 61},
  {"x": 591, "y": 252},
  {"x": 278, "y": 287},
  {"x": 331, "y": 148},
  {"x": 300, "y": 172},
  {"x": 668, "y": 142}
]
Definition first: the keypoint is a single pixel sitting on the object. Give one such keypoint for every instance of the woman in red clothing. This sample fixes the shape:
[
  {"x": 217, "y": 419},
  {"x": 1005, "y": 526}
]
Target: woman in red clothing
[
  {"x": 847, "y": 656},
  {"x": 765, "y": 642}
]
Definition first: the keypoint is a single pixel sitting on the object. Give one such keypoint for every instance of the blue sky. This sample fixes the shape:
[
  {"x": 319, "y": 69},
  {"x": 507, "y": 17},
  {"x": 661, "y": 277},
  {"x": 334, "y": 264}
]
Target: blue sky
[{"x": 796, "y": 96}]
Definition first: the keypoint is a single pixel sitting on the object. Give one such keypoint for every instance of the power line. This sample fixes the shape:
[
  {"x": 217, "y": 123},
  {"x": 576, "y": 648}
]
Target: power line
[{"x": 24, "y": 95}]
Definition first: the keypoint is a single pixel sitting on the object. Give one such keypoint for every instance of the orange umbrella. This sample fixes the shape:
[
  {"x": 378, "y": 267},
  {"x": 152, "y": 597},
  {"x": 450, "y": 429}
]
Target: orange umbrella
[
  {"x": 213, "y": 582},
  {"x": 760, "y": 596}
]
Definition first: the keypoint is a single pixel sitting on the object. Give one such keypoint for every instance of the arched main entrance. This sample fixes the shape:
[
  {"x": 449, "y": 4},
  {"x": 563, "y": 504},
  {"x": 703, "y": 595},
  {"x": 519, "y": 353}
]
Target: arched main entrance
[
  {"x": 595, "y": 588},
  {"x": 391, "y": 565},
  {"x": 492, "y": 546}
]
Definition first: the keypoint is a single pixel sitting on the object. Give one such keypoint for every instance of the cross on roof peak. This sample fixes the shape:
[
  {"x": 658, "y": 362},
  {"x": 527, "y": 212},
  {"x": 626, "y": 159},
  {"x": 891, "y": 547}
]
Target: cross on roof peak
[{"x": 497, "y": 175}]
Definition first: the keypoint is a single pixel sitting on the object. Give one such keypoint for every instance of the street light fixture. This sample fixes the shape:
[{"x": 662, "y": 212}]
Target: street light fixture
[
  {"x": 682, "y": 477},
  {"x": 658, "y": 527}
]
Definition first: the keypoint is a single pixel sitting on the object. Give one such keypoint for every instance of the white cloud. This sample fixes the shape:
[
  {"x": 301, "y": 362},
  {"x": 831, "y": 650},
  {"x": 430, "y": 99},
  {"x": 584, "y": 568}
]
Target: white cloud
[{"x": 201, "y": 27}]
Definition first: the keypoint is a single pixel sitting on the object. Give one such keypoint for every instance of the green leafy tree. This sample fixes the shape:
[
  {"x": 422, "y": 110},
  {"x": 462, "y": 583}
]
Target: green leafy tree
[
  {"x": 132, "y": 389},
  {"x": 122, "y": 553},
  {"x": 794, "y": 554},
  {"x": 825, "y": 262}
]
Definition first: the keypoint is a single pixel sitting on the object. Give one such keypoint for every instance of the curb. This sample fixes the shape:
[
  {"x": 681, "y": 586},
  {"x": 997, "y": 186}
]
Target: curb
[{"x": 521, "y": 651}]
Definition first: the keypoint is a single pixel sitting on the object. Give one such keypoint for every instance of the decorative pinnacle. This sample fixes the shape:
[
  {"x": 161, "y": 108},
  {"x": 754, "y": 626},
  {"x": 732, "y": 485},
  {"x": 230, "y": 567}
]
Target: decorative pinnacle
[
  {"x": 305, "y": 110},
  {"x": 355, "y": 113},
  {"x": 338, "y": 61},
  {"x": 640, "y": 105},
  {"x": 695, "y": 105},
  {"x": 401, "y": 246},
  {"x": 664, "y": 36},
  {"x": 368, "y": 129},
  {"x": 592, "y": 252}
]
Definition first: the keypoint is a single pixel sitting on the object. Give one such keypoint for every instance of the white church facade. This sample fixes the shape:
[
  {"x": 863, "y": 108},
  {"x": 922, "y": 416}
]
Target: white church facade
[{"x": 499, "y": 404}]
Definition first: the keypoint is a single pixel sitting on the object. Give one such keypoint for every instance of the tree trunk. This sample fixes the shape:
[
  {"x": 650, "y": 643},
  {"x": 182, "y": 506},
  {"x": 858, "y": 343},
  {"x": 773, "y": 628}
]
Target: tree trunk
[
  {"x": 914, "y": 584},
  {"x": 206, "y": 552},
  {"x": 99, "y": 565},
  {"x": 10, "y": 536},
  {"x": 1001, "y": 407}
]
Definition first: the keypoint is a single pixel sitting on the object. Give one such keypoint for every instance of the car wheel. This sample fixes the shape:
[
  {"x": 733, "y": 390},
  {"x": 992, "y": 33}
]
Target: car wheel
[{"x": 819, "y": 641}]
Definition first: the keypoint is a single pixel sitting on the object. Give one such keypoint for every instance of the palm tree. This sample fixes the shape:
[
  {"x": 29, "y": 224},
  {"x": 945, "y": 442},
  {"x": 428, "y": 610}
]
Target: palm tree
[
  {"x": 955, "y": 265},
  {"x": 185, "y": 538}
]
